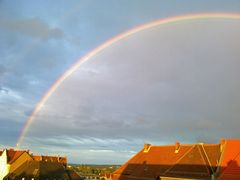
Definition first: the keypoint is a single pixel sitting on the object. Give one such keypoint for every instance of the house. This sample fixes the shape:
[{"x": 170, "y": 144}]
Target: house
[
  {"x": 37, "y": 170},
  {"x": 15, "y": 164},
  {"x": 11, "y": 160},
  {"x": 229, "y": 168},
  {"x": 105, "y": 176},
  {"x": 4, "y": 167},
  {"x": 184, "y": 161},
  {"x": 57, "y": 159},
  {"x": 73, "y": 175}
]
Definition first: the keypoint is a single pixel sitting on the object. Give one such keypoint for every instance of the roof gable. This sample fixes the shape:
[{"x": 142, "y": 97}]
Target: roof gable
[
  {"x": 194, "y": 163},
  {"x": 13, "y": 155}
]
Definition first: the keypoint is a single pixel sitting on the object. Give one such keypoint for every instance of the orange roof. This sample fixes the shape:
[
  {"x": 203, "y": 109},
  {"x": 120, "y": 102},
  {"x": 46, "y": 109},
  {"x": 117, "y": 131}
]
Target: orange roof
[
  {"x": 37, "y": 158},
  {"x": 39, "y": 170},
  {"x": 13, "y": 155},
  {"x": 59, "y": 159},
  {"x": 197, "y": 160},
  {"x": 230, "y": 164},
  {"x": 73, "y": 175}
]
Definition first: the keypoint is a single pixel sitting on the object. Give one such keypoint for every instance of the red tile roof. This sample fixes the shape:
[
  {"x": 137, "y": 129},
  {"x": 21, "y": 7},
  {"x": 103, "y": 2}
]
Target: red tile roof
[
  {"x": 13, "y": 155},
  {"x": 58, "y": 159},
  {"x": 197, "y": 160},
  {"x": 39, "y": 170},
  {"x": 230, "y": 164},
  {"x": 73, "y": 175}
]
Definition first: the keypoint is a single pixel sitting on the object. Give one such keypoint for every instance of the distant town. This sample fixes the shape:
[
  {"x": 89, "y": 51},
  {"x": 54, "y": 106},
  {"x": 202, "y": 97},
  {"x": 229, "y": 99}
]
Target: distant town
[
  {"x": 169, "y": 162},
  {"x": 23, "y": 165}
]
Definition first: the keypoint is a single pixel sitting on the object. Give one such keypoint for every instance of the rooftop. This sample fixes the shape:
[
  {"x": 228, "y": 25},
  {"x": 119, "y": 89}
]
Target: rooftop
[{"x": 198, "y": 161}]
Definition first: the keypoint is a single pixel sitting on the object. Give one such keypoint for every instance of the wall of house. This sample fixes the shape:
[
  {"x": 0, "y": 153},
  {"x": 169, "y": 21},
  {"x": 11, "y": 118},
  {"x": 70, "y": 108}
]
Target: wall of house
[
  {"x": 18, "y": 162},
  {"x": 4, "y": 167},
  {"x": 57, "y": 159}
]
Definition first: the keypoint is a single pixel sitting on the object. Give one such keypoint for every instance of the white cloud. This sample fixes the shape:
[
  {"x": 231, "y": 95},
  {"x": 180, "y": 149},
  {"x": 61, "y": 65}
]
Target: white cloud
[
  {"x": 9, "y": 94},
  {"x": 101, "y": 150}
]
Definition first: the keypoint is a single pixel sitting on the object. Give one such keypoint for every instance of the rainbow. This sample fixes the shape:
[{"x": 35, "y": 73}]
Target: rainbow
[{"x": 110, "y": 42}]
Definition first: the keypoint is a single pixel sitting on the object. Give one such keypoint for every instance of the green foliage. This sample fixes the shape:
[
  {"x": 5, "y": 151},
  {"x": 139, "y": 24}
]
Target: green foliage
[{"x": 93, "y": 169}]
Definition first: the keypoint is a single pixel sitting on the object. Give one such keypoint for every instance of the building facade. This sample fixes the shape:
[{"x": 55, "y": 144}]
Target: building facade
[{"x": 15, "y": 164}]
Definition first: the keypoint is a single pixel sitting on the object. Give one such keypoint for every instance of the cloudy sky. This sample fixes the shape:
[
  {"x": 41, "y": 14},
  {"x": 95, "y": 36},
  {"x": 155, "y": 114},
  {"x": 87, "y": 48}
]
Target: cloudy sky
[{"x": 174, "y": 82}]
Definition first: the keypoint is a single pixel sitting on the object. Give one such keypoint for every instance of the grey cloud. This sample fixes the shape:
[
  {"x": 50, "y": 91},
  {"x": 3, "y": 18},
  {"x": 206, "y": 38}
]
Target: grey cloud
[
  {"x": 9, "y": 129},
  {"x": 83, "y": 142},
  {"x": 33, "y": 27},
  {"x": 168, "y": 83},
  {"x": 32, "y": 60},
  {"x": 3, "y": 70},
  {"x": 85, "y": 149}
]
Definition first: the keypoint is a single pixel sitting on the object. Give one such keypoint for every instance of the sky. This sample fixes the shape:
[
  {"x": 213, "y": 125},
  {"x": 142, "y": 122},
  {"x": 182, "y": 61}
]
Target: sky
[{"x": 168, "y": 83}]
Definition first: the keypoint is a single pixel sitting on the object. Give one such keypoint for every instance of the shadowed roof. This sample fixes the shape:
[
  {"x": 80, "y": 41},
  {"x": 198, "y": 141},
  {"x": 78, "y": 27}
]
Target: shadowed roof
[
  {"x": 193, "y": 161},
  {"x": 230, "y": 169},
  {"x": 39, "y": 169},
  {"x": 13, "y": 155}
]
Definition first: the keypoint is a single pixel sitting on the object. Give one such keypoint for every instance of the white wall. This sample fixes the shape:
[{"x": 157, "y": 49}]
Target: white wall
[{"x": 4, "y": 167}]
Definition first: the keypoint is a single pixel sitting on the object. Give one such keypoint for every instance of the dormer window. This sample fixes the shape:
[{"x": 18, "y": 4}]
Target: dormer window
[
  {"x": 147, "y": 147},
  {"x": 177, "y": 147}
]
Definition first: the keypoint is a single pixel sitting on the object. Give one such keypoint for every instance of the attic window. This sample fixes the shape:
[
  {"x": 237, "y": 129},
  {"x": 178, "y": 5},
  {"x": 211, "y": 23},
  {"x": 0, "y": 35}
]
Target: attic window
[
  {"x": 177, "y": 147},
  {"x": 146, "y": 147}
]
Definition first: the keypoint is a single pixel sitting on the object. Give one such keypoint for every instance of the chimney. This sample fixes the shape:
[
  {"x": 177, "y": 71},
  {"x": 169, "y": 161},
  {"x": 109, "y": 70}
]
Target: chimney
[
  {"x": 177, "y": 147},
  {"x": 147, "y": 147},
  {"x": 222, "y": 144}
]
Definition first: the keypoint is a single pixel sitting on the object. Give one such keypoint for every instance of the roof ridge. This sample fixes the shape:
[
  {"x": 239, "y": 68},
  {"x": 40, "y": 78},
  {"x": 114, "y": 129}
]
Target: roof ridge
[
  {"x": 208, "y": 159},
  {"x": 179, "y": 159},
  {"x": 18, "y": 156},
  {"x": 205, "y": 155},
  {"x": 170, "y": 145}
]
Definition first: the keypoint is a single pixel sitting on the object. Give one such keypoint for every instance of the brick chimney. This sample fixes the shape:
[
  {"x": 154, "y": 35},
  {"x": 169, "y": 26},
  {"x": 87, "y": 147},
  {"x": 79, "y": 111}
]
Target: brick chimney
[
  {"x": 222, "y": 144},
  {"x": 177, "y": 147}
]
